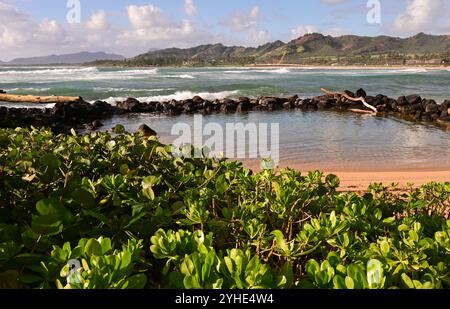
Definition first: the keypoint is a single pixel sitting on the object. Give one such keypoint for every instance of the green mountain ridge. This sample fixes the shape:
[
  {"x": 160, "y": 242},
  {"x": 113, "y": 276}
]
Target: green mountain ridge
[{"x": 312, "y": 48}]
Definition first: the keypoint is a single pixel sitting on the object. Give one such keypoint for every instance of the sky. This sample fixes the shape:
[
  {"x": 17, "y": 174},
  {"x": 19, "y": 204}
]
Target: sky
[{"x": 130, "y": 27}]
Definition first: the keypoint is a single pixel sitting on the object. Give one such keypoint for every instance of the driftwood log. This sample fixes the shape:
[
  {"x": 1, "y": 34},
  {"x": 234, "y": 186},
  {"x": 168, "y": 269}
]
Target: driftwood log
[
  {"x": 17, "y": 98},
  {"x": 361, "y": 99}
]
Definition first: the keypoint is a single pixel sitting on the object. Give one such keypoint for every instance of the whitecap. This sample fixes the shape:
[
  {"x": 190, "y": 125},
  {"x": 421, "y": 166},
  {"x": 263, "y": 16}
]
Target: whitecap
[{"x": 179, "y": 95}]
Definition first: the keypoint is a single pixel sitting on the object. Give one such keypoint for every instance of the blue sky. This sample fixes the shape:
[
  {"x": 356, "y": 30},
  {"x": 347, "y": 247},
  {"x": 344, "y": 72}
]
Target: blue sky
[{"x": 132, "y": 26}]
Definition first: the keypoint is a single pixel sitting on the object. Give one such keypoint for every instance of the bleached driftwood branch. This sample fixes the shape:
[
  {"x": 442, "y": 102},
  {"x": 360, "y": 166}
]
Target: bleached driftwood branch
[
  {"x": 343, "y": 94},
  {"x": 16, "y": 98}
]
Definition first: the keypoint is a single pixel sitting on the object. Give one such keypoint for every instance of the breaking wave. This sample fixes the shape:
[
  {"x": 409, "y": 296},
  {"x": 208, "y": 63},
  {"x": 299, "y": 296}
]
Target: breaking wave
[{"x": 179, "y": 95}]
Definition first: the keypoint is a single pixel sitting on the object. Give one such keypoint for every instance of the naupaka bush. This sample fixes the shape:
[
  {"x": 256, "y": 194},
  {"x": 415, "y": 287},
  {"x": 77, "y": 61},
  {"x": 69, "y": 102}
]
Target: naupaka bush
[{"x": 133, "y": 216}]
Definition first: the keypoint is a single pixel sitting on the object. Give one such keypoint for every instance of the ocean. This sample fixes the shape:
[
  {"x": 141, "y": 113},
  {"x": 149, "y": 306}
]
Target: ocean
[{"x": 309, "y": 140}]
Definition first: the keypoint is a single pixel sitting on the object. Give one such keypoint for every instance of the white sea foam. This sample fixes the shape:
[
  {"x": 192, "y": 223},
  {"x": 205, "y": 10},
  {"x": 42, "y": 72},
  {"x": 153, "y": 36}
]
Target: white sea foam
[
  {"x": 137, "y": 71},
  {"x": 112, "y": 89},
  {"x": 58, "y": 71},
  {"x": 272, "y": 71},
  {"x": 179, "y": 95},
  {"x": 277, "y": 71},
  {"x": 182, "y": 76},
  {"x": 28, "y": 89}
]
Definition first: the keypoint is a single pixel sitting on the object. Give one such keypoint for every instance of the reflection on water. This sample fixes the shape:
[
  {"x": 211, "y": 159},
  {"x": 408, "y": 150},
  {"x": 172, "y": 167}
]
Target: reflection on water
[{"x": 330, "y": 140}]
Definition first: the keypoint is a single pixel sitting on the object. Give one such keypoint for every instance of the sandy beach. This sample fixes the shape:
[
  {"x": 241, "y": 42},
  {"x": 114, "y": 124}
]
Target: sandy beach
[
  {"x": 359, "y": 180},
  {"x": 350, "y": 67}
]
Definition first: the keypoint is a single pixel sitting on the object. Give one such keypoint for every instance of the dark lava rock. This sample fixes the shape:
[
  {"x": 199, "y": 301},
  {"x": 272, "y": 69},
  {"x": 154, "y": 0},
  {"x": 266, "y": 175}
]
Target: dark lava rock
[
  {"x": 426, "y": 117},
  {"x": 289, "y": 105},
  {"x": 228, "y": 106},
  {"x": 2, "y": 91},
  {"x": 445, "y": 105},
  {"x": 324, "y": 104},
  {"x": 418, "y": 115},
  {"x": 293, "y": 99},
  {"x": 244, "y": 100},
  {"x": 130, "y": 105},
  {"x": 349, "y": 93},
  {"x": 97, "y": 124},
  {"x": 430, "y": 106},
  {"x": 207, "y": 104},
  {"x": 266, "y": 101},
  {"x": 401, "y": 101},
  {"x": 413, "y": 99},
  {"x": 434, "y": 116},
  {"x": 244, "y": 106},
  {"x": 406, "y": 109},
  {"x": 146, "y": 130},
  {"x": 190, "y": 107},
  {"x": 198, "y": 100},
  {"x": 361, "y": 93}
]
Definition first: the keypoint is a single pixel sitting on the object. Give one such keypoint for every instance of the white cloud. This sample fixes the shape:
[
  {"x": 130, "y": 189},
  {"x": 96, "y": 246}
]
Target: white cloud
[
  {"x": 151, "y": 25},
  {"x": 419, "y": 16},
  {"x": 189, "y": 7},
  {"x": 19, "y": 30},
  {"x": 259, "y": 37},
  {"x": 248, "y": 23},
  {"x": 243, "y": 21},
  {"x": 98, "y": 21},
  {"x": 302, "y": 30},
  {"x": 23, "y": 35},
  {"x": 145, "y": 16}
]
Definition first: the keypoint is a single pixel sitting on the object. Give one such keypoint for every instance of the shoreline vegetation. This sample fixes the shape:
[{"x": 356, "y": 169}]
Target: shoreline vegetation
[{"x": 122, "y": 205}]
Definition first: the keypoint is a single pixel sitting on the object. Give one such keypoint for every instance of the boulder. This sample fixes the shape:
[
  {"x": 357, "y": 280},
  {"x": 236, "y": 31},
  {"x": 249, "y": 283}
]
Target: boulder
[
  {"x": 413, "y": 99},
  {"x": 266, "y": 101},
  {"x": 360, "y": 93},
  {"x": 198, "y": 100},
  {"x": 243, "y": 100},
  {"x": 97, "y": 124},
  {"x": 434, "y": 116},
  {"x": 382, "y": 108},
  {"x": 146, "y": 131},
  {"x": 228, "y": 106},
  {"x": 349, "y": 93},
  {"x": 425, "y": 117},
  {"x": 244, "y": 106},
  {"x": 401, "y": 101},
  {"x": 2, "y": 91},
  {"x": 406, "y": 109},
  {"x": 293, "y": 99},
  {"x": 288, "y": 105},
  {"x": 418, "y": 115},
  {"x": 325, "y": 104},
  {"x": 430, "y": 106},
  {"x": 130, "y": 105},
  {"x": 190, "y": 107},
  {"x": 207, "y": 104}
]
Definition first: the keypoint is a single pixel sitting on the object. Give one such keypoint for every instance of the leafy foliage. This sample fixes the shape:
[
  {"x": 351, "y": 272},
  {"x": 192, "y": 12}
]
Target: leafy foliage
[{"x": 103, "y": 211}]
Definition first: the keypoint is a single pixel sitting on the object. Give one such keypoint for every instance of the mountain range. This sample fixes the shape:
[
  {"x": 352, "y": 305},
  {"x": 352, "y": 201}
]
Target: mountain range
[
  {"x": 312, "y": 48},
  {"x": 75, "y": 58}
]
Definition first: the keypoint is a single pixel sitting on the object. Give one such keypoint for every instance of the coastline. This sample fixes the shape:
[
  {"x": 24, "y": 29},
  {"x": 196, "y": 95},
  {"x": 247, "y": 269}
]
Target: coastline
[
  {"x": 351, "y": 67},
  {"x": 359, "y": 180}
]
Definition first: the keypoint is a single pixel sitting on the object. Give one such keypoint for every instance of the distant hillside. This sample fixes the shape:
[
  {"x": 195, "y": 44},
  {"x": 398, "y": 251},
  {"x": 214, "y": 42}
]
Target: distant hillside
[
  {"x": 310, "y": 49},
  {"x": 75, "y": 58}
]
